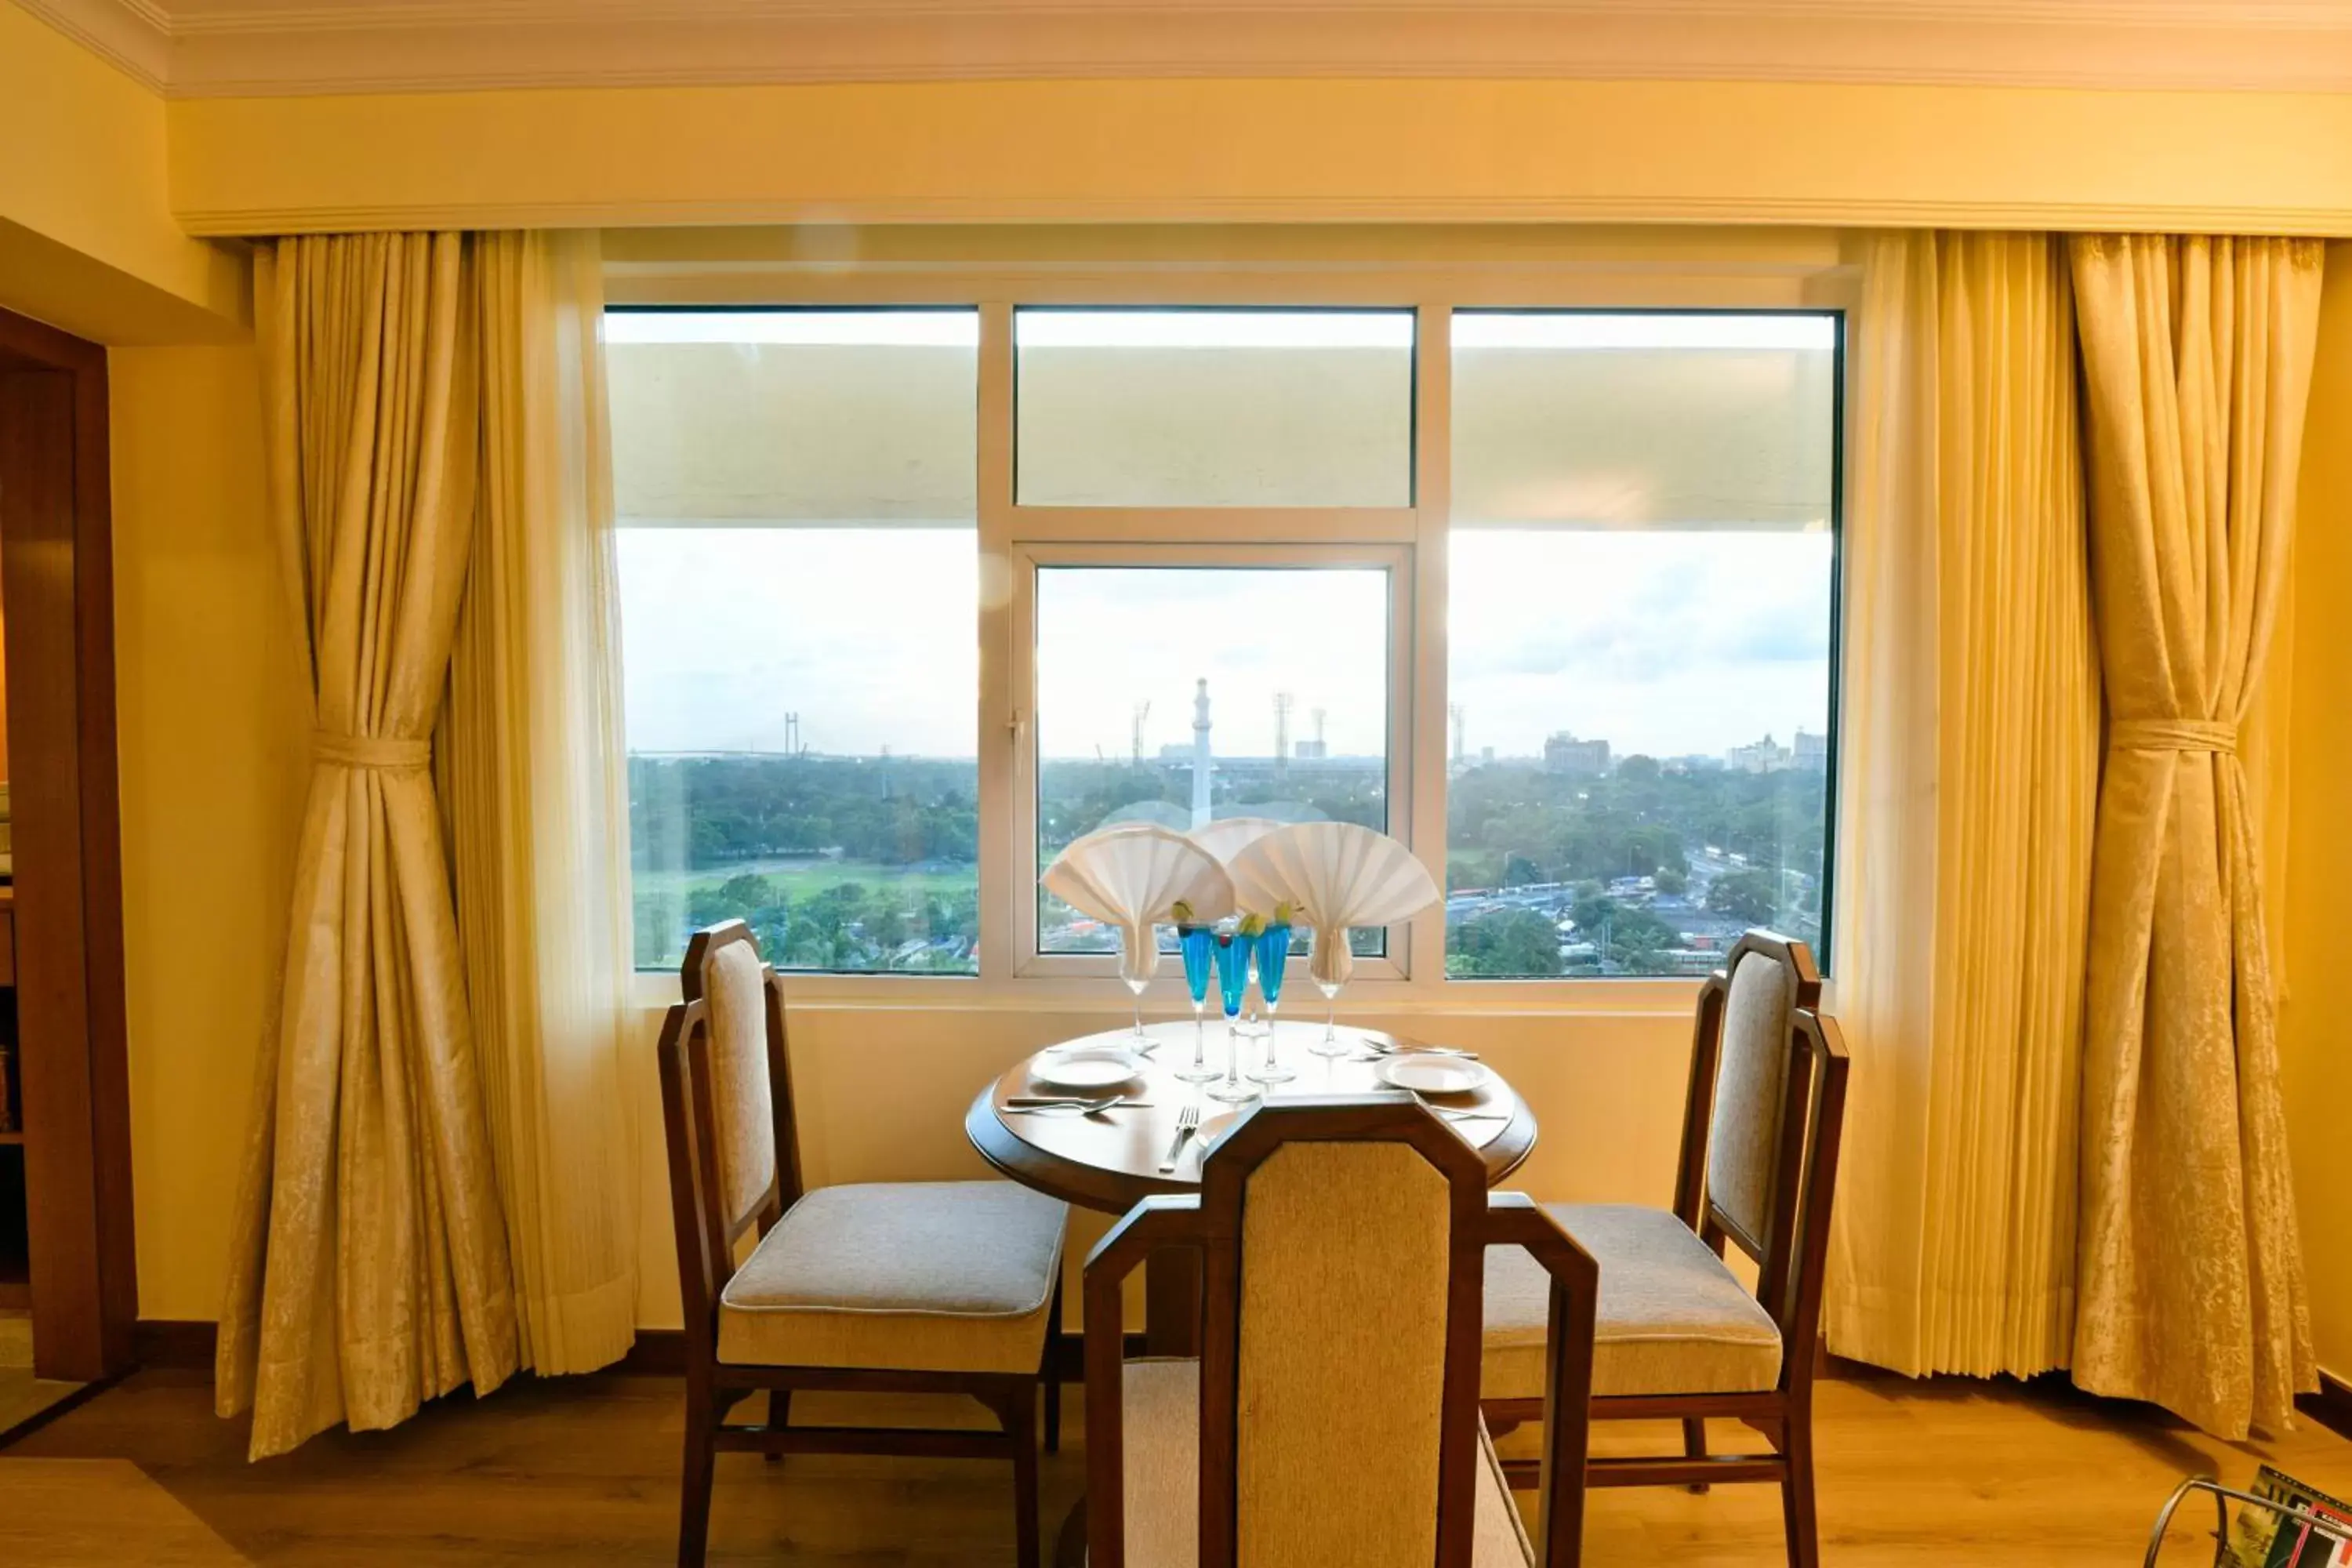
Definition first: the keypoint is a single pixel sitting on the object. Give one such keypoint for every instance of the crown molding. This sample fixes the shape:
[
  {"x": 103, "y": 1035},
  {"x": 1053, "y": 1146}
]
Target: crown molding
[
  {"x": 134, "y": 36},
  {"x": 2088, "y": 218},
  {"x": 231, "y": 48}
]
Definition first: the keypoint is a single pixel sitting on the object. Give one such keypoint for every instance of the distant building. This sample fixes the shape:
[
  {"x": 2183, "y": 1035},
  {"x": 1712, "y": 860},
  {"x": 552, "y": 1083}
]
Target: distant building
[
  {"x": 1692, "y": 763},
  {"x": 1812, "y": 753},
  {"x": 1310, "y": 751},
  {"x": 1564, "y": 753},
  {"x": 1765, "y": 756}
]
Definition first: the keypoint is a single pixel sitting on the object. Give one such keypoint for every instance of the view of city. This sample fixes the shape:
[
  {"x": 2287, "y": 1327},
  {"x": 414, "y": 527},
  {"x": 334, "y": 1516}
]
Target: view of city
[{"x": 1575, "y": 863}]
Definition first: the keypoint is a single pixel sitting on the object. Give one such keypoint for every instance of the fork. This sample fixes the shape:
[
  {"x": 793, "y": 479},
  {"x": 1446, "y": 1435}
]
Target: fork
[
  {"x": 1083, "y": 1106},
  {"x": 1376, "y": 1050},
  {"x": 1188, "y": 1121}
]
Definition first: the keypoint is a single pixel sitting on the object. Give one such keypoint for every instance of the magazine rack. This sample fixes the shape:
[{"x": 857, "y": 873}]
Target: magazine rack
[{"x": 2333, "y": 1529}]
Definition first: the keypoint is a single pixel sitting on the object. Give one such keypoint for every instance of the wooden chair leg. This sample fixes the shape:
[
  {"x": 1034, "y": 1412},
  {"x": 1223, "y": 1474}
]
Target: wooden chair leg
[
  {"x": 1054, "y": 1373},
  {"x": 1797, "y": 1491},
  {"x": 694, "y": 1483},
  {"x": 1021, "y": 1426},
  {"x": 1695, "y": 1443},
  {"x": 780, "y": 1415}
]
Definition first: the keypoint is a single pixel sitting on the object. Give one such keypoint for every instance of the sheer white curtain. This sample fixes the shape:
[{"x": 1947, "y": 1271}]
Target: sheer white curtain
[
  {"x": 535, "y": 787},
  {"x": 1972, "y": 712}
]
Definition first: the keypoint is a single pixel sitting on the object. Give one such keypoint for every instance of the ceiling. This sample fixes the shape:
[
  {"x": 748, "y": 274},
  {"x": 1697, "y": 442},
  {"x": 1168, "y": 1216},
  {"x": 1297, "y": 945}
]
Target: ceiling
[{"x": 239, "y": 48}]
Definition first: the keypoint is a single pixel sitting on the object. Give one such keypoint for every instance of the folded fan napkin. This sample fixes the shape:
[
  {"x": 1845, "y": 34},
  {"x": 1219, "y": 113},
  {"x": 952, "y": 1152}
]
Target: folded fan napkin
[
  {"x": 1229, "y": 835},
  {"x": 1336, "y": 875},
  {"x": 1132, "y": 876}
]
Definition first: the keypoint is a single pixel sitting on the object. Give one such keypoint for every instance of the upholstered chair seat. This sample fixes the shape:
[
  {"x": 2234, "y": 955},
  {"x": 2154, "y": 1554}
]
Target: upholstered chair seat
[
  {"x": 918, "y": 1276},
  {"x": 1673, "y": 1318}
]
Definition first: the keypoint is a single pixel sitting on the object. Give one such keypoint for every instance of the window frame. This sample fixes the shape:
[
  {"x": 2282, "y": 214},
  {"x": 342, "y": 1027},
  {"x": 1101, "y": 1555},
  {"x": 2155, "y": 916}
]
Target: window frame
[
  {"x": 1031, "y": 557},
  {"x": 1014, "y": 539}
]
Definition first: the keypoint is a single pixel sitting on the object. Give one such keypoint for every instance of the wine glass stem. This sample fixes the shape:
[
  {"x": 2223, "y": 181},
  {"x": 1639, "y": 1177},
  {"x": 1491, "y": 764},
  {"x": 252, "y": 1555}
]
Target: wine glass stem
[{"x": 1199, "y": 1036}]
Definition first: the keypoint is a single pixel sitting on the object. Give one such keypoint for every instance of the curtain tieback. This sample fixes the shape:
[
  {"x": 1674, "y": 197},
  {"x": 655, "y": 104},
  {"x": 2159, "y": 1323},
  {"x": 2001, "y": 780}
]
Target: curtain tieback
[
  {"x": 387, "y": 752},
  {"x": 2173, "y": 736}
]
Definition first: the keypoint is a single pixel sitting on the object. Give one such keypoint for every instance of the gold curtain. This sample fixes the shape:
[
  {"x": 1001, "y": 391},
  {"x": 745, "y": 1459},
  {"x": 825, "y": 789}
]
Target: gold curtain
[
  {"x": 368, "y": 1267},
  {"x": 534, "y": 782},
  {"x": 2197, "y": 357},
  {"x": 1971, "y": 712}
]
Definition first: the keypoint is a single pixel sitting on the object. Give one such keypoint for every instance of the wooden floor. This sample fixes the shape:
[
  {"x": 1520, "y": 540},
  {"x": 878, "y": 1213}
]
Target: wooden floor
[
  {"x": 23, "y": 1395},
  {"x": 586, "y": 1470}
]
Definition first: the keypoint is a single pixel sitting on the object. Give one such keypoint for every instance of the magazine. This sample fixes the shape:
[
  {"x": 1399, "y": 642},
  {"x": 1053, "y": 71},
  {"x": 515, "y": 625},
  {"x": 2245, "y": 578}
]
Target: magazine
[{"x": 2260, "y": 1538}]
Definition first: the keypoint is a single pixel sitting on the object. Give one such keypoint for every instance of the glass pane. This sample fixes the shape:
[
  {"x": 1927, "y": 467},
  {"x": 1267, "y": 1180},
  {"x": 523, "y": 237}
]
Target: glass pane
[
  {"x": 837, "y": 417},
  {"x": 1214, "y": 407},
  {"x": 1641, "y": 680},
  {"x": 800, "y": 656},
  {"x": 1294, "y": 662},
  {"x": 1649, "y": 421}
]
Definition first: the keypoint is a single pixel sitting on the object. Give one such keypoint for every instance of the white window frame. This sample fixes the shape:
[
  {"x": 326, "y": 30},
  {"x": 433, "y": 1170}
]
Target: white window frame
[
  {"x": 1030, "y": 556},
  {"x": 1014, "y": 540}
]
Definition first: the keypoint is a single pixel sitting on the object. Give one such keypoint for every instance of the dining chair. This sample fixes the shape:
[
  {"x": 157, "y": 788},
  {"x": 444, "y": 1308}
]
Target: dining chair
[
  {"x": 1332, "y": 1416},
  {"x": 908, "y": 1287},
  {"x": 1677, "y": 1335}
]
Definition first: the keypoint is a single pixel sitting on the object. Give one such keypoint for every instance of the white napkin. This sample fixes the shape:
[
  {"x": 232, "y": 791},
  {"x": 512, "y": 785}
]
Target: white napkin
[
  {"x": 1132, "y": 876},
  {"x": 1336, "y": 875},
  {"x": 1227, "y": 836}
]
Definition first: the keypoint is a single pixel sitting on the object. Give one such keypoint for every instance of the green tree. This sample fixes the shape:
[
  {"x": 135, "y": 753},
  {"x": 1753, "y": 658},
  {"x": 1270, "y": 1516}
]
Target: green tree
[
  {"x": 1505, "y": 943},
  {"x": 1751, "y": 895}
]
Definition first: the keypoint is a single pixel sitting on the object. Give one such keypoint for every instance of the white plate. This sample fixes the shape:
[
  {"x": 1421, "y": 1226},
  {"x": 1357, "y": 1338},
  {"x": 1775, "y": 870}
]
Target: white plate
[
  {"x": 1102, "y": 1067},
  {"x": 1214, "y": 1127},
  {"x": 1427, "y": 1074}
]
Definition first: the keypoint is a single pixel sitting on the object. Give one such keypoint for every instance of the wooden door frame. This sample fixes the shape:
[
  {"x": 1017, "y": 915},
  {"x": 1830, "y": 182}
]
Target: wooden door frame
[{"x": 57, "y": 595}]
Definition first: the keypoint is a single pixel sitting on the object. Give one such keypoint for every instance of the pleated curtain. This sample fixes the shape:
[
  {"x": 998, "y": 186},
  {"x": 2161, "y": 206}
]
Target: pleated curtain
[
  {"x": 1972, "y": 726},
  {"x": 2197, "y": 357},
  {"x": 368, "y": 1268},
  {"x": 536, "y": 789}
]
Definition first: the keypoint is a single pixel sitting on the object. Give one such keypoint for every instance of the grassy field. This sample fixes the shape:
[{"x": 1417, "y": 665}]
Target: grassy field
[{"x": 800, "y": 878}]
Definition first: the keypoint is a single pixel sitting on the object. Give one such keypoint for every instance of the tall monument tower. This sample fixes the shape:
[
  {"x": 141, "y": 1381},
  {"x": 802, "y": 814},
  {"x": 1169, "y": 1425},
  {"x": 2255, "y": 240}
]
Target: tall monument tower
[{"x": 1201, "y": 753}]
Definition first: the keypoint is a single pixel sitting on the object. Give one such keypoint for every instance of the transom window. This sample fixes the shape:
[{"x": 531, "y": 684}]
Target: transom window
[{"x": 914, "y": 596}]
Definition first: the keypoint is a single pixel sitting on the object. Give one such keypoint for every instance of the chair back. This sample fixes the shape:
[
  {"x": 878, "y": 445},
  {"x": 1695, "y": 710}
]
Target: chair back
[
  {"x": 727, "y": 1114},
  {"x": 1762, "y": 1125},
  {"x": 1342, "y": 1244}
]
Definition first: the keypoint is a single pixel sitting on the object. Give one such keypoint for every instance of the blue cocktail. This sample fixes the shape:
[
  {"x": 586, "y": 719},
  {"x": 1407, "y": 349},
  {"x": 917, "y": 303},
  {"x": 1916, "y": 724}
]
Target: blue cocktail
[
  {"x": 1232, "y": 955},
  {"x": 1272, "y": 958},
  {"x": 1199, "y": 944}
]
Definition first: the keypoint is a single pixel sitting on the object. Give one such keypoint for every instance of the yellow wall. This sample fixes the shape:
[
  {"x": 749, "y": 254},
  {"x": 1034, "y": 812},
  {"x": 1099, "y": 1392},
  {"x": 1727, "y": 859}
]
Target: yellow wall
[
  {"x": 2315, "y": 1040},
  {"x": 214, "y": 742},
  {"x": 86, "y": 237},
  {"x": 1259, "y": 151}
]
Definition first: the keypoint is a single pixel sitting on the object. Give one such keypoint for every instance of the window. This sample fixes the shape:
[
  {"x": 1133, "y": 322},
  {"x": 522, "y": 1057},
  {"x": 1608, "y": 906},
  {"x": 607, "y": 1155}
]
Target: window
[
  {"x": 915, "y": 595},
  {"x": 798, "y": 571},
  {"x": 1179, "y": 694},
  {"x": 1171, "y": 408},
  {"x": 1643, "y": 585}
]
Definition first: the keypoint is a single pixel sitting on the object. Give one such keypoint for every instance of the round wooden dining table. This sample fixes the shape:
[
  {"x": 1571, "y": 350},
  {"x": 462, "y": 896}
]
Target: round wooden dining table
[{"x": 1111, "y": 1160}]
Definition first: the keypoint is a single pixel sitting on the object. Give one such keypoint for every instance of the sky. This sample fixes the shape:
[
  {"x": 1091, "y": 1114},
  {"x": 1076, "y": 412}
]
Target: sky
[{"x": 1659, "y": 642}]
